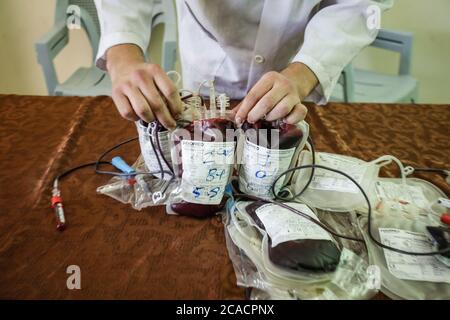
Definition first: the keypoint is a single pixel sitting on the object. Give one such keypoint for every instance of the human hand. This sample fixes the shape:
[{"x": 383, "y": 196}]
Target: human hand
[
  {"x": 141, "y": 90},
  {"x": 278, "y": 95}
]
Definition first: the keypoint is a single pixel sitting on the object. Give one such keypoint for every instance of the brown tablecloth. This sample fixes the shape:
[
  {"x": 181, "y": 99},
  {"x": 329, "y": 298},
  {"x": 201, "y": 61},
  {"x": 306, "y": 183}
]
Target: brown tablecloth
[{"x": 126, "y": 254}]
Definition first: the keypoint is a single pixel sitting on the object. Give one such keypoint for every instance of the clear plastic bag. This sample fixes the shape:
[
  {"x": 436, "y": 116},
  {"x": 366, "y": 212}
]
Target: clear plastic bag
[
  {"x": 140, "y": 191},
  {"x": 405, "y": 276},
  {"x": 411, "y": 196},
  {"x": 247, "y": 247},
  {"x": 265, "y": 150}
]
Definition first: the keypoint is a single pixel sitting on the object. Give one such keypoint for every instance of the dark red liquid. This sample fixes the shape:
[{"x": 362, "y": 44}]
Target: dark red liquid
[
  {"x": 298, "y": 255},
  {"x": 289, "y": 134},
  {"x": 185, "y": 208}
]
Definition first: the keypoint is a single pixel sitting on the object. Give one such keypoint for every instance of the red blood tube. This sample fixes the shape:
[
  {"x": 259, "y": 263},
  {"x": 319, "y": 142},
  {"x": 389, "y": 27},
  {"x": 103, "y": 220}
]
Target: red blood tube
[{"x": 58, "y": 210}]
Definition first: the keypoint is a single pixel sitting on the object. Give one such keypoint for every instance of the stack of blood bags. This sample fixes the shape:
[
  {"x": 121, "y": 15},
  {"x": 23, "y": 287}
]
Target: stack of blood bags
[{"x": 203, "y": 157}]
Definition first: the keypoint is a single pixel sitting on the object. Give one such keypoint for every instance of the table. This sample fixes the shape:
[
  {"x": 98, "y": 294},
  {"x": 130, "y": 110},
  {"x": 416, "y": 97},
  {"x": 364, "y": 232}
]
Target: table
[{"x": 126, "y": 254}]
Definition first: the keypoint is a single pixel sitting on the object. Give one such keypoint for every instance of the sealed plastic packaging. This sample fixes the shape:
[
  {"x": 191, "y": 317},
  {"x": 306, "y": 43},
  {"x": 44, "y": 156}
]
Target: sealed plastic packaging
[
  {"x": 411, "y": 196},
  {"x": 343, "y": 275},
  {"x": 405, "y": 276},
  {"x": 335, "y": 192},
  {"x": 203, "y": 155},
  {"x": 265, "y": 150},
  {"x": 139, "y": 191}
]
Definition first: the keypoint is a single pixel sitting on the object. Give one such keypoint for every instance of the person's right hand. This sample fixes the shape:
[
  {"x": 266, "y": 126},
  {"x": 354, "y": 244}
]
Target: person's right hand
[{"x": 141, "y": 90}]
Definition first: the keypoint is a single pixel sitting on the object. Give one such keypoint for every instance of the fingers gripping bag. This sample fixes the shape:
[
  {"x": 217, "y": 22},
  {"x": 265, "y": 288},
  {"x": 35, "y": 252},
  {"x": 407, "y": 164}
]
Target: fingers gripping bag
[
  {"x": 203, "y": 155},
  {"x": 333, "y": 191},
  {"x": 298, "y": 261},
  {"x": 405, "y": 276},
  {"x": 265, "y": 150},
  {"x": 154, "y": 139}
]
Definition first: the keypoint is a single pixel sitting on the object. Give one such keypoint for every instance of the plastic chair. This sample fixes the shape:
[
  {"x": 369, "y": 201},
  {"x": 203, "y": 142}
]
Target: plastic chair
[
  {"x": 356, "y": 85},
  {"x": 93, "y": 81}
]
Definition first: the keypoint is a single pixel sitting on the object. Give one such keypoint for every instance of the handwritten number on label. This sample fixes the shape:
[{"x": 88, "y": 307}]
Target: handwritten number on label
[
  {"x": 213, "y": 173},
  {"x": 213, "y": 192},
  {"x": 261, "y": 174},
  {"x": 196, "y": 191}
]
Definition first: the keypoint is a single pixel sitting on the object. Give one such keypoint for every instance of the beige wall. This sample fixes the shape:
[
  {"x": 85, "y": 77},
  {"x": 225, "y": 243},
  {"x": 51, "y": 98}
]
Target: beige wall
[
  {"x": 430, "y": 23},
  {"x": 23, "y": 21}
]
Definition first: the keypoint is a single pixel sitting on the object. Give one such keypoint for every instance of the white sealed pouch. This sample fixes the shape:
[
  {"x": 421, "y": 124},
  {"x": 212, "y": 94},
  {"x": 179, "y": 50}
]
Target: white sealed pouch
[
  {"x": 333, "y": 191},
  {"x": 265, "y": 150},
  {"x": 155, "y": 148},
  {"x": 405, "y": 276},
  {"x": 283, "y": 266}
]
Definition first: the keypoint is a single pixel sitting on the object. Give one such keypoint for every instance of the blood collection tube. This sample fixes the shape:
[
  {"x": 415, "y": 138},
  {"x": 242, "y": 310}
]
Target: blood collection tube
[{"x": 59, "y": 210}]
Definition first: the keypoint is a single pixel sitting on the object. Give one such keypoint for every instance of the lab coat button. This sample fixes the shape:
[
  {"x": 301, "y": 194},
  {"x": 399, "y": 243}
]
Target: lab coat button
[{"x": 259, "y": 59}]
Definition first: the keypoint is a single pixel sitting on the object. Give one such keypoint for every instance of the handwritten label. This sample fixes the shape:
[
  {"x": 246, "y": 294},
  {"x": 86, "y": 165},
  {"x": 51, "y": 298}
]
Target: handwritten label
[
  {"x": 261, "y": 166},
  {"x": 408, "y": 267},
  {"x": 206, "y": 169}
]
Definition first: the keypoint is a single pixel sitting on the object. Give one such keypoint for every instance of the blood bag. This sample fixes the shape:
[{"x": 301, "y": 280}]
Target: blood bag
[
  {"x": 267, "y": 149},
  {"x": 405, "y": 276},
  {"x": 155, "y": 148},
  {"x": 411, "y": 196},
  {"x": 249, "y": 249},
  {"x": 203, "y": 155},
  {"x": 332, "y": 191},
  {"x": 293, "y": 241}
]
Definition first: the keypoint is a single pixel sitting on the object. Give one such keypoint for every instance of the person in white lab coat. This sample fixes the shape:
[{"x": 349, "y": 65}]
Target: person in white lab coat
[{"x": 272, "y": 54}]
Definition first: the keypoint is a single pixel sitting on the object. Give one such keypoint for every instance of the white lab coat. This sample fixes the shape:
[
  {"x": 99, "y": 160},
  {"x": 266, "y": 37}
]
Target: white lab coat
[{"x": 234, "y": 42}]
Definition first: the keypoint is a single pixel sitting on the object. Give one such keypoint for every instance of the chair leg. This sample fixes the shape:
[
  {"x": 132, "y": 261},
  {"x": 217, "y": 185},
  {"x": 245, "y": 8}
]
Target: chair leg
[{"x": 415, "y": 95}]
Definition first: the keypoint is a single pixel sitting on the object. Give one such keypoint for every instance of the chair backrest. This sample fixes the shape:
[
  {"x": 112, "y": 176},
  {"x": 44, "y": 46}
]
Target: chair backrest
[
  {"x": 397, "y": 41},
  {"x": 163, "y": 13},
  {"x": 86, "y": 12}
]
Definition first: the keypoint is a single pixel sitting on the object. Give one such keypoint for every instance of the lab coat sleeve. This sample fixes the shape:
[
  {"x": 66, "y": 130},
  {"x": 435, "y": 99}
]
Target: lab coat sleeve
[
  {"x": 123, "y": 21},
  {"x": 333, "y": 37}
]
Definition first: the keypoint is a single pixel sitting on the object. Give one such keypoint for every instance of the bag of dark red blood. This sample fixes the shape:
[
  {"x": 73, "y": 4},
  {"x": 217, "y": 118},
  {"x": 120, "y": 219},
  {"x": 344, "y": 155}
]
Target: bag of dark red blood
[
  {"x": 265, "y": 150},
  {"x": 203, "y": 155}
]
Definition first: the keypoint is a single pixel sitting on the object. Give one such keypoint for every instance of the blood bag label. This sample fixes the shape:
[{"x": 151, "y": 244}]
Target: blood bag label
[
  {"x": 261, "y": 166},
  {"x": 206, "y": 169},
  {"x": 284, "y": 225},
  {"x": 328, "y": 180},
  {"x": 149, "y": 154},
  {"x": 408, "y": 267},
  {"x": 398, "y": 192}
]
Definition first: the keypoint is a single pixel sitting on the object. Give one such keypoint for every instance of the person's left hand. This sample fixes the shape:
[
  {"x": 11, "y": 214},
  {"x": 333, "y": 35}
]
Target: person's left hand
[{"x": 278, "y": 95}]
